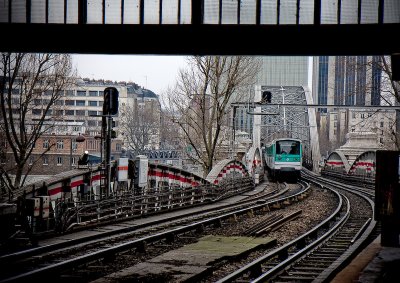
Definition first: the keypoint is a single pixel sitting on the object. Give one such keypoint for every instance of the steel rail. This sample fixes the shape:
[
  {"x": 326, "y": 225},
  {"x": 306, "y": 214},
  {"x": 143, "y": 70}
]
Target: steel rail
[
  {"x": 59, "y": 267},
  {"x": 256, "y": 264},
  {"x": 359, "y": 239}
]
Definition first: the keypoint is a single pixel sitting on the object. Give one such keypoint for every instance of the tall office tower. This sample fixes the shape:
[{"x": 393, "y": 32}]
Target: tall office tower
[
  {"x": 348, "y": 80},
  {"x": 284, "y": 71}
]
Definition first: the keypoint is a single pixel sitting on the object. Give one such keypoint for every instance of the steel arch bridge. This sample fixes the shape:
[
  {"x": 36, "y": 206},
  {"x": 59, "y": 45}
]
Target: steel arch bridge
[{"x": 276, "y": 121}]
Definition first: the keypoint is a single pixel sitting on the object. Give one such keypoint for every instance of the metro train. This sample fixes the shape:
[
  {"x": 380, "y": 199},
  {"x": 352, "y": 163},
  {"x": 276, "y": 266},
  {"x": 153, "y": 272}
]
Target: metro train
[{"x": 283, "y": 159}]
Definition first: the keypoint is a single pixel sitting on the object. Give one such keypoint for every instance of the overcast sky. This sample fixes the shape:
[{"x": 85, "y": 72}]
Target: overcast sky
[{"x": 153, "y": 72}]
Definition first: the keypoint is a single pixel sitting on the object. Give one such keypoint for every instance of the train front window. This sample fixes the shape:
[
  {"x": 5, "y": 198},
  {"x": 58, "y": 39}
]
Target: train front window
[{"x": 287, "y": 147}]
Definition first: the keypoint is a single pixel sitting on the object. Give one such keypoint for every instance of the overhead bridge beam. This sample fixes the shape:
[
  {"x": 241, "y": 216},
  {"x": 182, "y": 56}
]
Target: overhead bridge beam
[{"x": 202, "y": 39}]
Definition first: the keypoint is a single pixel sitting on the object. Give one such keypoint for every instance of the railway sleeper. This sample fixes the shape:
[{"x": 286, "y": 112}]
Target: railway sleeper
[
  {"x": 311, "y": 272},
  {"x": 322, "y": 252},
  {"x": 341, "y": 246},
  {"x": 318, "y": 259},
  {"x": 297, "y": 278},
  {"x": 336, "y": 247},
  {"x": 300, "y": 267},
  {"x": 335, "y": 252},
  {"x": 323, "y": 256},
  {"x": 339, "y": 240},
  {"x": 310, "y": 264}
]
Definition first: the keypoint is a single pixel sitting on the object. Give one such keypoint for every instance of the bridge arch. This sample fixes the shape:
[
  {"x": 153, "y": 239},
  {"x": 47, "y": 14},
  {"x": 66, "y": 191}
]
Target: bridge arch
[
  {"x": 337, "y": 162},
  {"x": 364, "y": 164},
  {"x": 165, "y": 175},
  {"x": 225, "y": 169}
]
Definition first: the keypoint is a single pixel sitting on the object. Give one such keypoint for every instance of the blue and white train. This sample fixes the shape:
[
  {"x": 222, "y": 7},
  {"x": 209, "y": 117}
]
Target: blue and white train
[{"x": 283, "y": 159}]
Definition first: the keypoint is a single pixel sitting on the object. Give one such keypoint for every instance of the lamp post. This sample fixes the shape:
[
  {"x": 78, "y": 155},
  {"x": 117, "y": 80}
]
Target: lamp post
[{"x": 79, "y": 138}]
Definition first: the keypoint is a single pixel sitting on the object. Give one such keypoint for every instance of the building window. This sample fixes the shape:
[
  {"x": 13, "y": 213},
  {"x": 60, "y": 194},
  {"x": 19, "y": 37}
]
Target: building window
[
  {"x": 92, "y": 103},
  {"x": 3, "y": 157},
  {"x": 381, "y": 140},
  {"x": 80, "y": 112},
  {"x": 46, "y": 144},
  {"x": 118, "y": 147},
  {"x": 335, "y": 117},
  {"x": 354, "y": 115},
  {"x": 60, "y": 144},
  {"x": 362, "y": 115},
  {"x": 381, "y": 124},
  {"x": 91, "y": 113},
  {"x": 335, "y": 124},
  {"x": 69, "y": 112},
  {"x": 45, "y": 160},
  {"x": 73, "y": 160},
  {"x": 100, "y": 103},
  {"x": 334, "y": 132},
  {"x": 30, "y": 160},
  {"x": 93, "y": 144},
  {"x": 93, "y": 93},
  {"x": 92, "y": 123},
  {"x": 70, "y": 102},
  {"x": 80, "y": 103},
  {"x": 81, "y": 93},
  {"x": 36, "y": 111},
  {"x": 69, "y": 92},
  {"x": 59, "y": 160}
]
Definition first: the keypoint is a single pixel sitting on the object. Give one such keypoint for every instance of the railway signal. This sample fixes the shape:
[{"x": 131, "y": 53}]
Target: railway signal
[
  {"x": 266, "y": 96},
  {"x": 110, "y": 106}
]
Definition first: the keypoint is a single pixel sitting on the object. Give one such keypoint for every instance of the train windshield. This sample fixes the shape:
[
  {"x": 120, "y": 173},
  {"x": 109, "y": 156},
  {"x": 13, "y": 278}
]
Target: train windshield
[{"x": 287, "y": 147}]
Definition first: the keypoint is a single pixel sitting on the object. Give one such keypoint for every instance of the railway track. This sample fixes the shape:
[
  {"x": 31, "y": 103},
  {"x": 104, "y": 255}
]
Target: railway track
[
  {"x": 50, "y": 262},
  {"x": 320, "y": 253}
]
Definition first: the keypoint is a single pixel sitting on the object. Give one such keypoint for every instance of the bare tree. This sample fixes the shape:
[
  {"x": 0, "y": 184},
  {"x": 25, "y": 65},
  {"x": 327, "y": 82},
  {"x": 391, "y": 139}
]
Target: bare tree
[
  {"x": 169, "y": 132},
  {"x": 201, "y": 100},
  {"x": 29, "y": 84},
  {"x": 140, "y": 126}
]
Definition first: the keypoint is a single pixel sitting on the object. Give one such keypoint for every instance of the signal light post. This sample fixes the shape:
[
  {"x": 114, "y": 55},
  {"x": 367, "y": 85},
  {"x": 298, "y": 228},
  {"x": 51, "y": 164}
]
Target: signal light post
[{"x": 110, "y": 109}]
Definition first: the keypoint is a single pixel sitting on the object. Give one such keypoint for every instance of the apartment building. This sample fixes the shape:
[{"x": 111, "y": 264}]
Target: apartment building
[{"x": 74, "y": 125}]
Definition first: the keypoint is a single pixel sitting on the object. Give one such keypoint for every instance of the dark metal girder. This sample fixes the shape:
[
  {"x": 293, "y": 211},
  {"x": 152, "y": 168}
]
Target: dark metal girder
[{"x": 362, "y": 39}]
